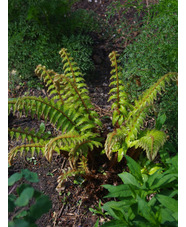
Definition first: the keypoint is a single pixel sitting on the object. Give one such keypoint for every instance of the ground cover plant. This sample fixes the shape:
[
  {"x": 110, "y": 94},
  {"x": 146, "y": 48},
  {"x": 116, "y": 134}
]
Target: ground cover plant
[
  {"x": 144, "y": 199},
  {"x": 69, "y": 110},
  {"x": 35, "y": 24},
  {"x": 21, "y": 201}
]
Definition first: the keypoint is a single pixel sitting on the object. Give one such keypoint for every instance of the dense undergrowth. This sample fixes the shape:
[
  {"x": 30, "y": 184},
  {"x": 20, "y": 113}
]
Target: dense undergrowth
[{"x": 137, "y": 86}]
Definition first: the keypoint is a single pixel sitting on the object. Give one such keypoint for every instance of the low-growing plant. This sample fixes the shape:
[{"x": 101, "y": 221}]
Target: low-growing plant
[
  {"x": 69, "y": 110},
  {"x": 35, "y": 24},
  {"x": 25, "y": 205},
  {"x": 143, "y": 199},
  {"x": 80, "y": 48}
]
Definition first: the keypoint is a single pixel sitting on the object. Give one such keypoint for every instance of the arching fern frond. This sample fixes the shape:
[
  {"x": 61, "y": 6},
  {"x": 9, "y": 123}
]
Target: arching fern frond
[
  {"x": 137, "y": 116},
  {"x": 150, "y": 141},
  {"x": 27, "y": 135},
  {"x": 58, "y": 115},
  {"x": 26, "y": 148},
  {"x": 79, "y": 91}
]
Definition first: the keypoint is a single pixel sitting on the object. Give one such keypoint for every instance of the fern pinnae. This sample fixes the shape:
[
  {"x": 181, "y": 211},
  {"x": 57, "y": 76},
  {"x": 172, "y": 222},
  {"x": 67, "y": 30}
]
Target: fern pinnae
[
  {"x": 50, "y": 109},
  {"x": 75, "y": 79},
  {"x": 27, "y": 135},
  {"x": 150, "y": 94},
  {"x": 121, "y": 102},
  {"x": 49, "y": 79},
  {"x": 34, "y": 147},
  {"x": 61, "y": 141}
]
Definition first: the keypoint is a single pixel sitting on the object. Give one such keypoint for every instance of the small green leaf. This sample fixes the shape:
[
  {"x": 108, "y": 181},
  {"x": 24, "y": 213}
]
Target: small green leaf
[
  {"x": 14, "y": 178},
  {"x": 42, "y": 127},
  {"x": 160, "y": 121},
  {"x": 24, "y": 197},
  {"x": 128, "y": 178},
  {"x": 30, "y": 176},
  {"x": 42, "y": 205},
  {"x": 168, "y": 202},
  {"x": 134, "y": 167}
]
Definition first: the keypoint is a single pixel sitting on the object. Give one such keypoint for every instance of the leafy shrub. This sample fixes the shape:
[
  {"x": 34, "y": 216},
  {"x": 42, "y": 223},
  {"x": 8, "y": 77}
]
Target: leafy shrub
[
  {"x": 154, "y": 53},
  {"x": 21, "y": 203},
  {"x": 38, "y": 29},
  {"x": 144, "y": 200},
  {"x": 69, "y": 109},
  {"x": 80, "y": 47}
]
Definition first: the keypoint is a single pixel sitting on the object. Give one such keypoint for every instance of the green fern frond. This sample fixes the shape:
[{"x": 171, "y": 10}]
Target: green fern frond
[
  {"x": 58, "y": 115},
  {"x": 137, "y": 116},
  {"x": 150, "y": 94},
  {"x": 28, "y": 135},
  {"x": 115, "y": 142},
  {"x": 79, "y": 92},
  {"x": 151, "y": 141},
  {"x": 11, "y": 105},
  {"x": 32, "y": 148},
  {"x": 49, "y": 78},
  {"x": 61, "y": 142},
  {"x": 119, "y": 96}
]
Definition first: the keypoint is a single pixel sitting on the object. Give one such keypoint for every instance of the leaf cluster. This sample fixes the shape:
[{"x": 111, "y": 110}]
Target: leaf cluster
[
  {"x": 35, "y": 24},
  {"x": 143, "y": 199},
  {"x": 26, "y": 211},
  {"x": 128, "y": 117}
]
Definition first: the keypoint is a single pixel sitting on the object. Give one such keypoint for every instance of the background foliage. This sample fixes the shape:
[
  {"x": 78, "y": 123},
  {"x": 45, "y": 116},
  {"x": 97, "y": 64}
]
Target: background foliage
[
  {"x": 39, "y": 29},
  {"x": 154, "y": 53}
]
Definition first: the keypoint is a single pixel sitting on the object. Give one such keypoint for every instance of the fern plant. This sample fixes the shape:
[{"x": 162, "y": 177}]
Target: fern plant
[{"x": 69, "y": 110}]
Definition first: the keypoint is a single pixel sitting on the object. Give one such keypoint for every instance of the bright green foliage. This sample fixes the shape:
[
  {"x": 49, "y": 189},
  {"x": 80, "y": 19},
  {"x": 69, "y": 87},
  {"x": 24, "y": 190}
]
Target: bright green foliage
[
  {"x": 128, "y": 118},
  {"x": 68, "y": 108},
  {"x": 144, "y": 200},
  {"x": 25, "y": 214}
]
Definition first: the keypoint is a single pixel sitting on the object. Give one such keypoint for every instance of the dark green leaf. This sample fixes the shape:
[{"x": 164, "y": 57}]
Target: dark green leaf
[
  {"x": 160, "y": 121},
  {"x": 42, "y": 205},
  {"x": 11, "y": 205},
  {"x": 30, "y": 176},
  {"x": 15, "y": 177},
  {"x": 118, "y": 191},
  {"x": 168, "y": 202},
  {"x": 128, "y": 178},
  {"x": 20, "y": 223},
  {"x": 134, "y": 167},
  {"x": 115, "y": 223},
  {"x": 24, "y": 197},
  {"x": 146, "y": 211}
]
